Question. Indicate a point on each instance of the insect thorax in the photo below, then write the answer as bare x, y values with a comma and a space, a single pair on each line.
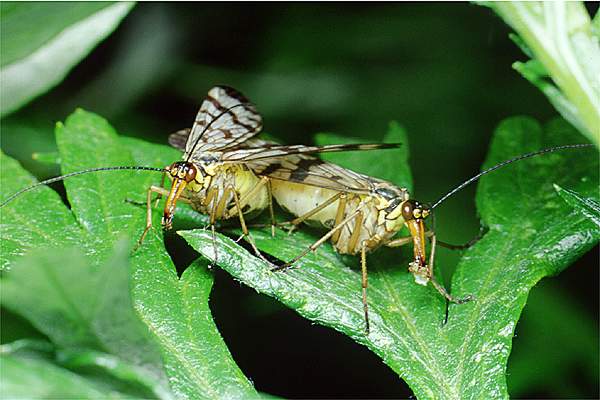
215, 191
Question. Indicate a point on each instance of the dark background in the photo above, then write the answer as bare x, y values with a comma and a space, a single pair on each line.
443, 71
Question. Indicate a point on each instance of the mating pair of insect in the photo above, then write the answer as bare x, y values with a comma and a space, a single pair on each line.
227, 173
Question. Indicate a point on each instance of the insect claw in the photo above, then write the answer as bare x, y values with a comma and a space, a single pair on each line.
283, 267
134, 202
465, 299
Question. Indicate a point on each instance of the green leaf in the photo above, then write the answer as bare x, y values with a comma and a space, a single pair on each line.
560, 36
87, 311
105, 323
532, 235
43, 41
586, 205
50, 157
104, 371
176, 311
34, 378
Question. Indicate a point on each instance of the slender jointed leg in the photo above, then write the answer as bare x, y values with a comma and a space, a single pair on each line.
212, 219
162, 185
271, 212
482, 231
339, 215
365, 284
399, 242
438, 286
322, 240
249, 196
214, 243
310, 213
405, 240
307, 215
151, 189
245, 228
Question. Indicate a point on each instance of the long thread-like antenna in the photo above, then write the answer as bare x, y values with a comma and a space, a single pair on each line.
72, 174
506, 162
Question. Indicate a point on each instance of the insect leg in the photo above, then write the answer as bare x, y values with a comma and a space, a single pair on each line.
438, 286
212, 196
246, 199
322, 240
151, 189
219, 206
352, 242
245, 231
399, 242
365, 284
405, 240
271, 212
214, 243
482, 231
307, 215
339, 215
162, 185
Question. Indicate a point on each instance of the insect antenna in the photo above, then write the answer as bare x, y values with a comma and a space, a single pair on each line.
505, 163
72, 174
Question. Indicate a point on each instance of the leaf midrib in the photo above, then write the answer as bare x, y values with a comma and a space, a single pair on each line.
416, 338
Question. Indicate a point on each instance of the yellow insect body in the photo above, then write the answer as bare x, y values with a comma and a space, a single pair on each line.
371, 227
361, 213
213, 193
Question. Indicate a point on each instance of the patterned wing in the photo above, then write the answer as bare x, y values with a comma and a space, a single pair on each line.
265, 150
179, 138
225, 120
308, 170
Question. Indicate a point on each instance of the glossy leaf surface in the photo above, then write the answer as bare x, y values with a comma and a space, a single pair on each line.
532, 234
165, 324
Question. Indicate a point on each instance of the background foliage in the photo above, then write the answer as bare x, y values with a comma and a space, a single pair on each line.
442, 71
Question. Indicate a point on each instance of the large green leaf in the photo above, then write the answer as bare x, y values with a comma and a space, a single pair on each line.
104, 323
87, 307
533, 234
41, 42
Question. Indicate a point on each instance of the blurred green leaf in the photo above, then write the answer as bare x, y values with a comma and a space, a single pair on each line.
35, 378
560, 36
41, 42
46, 157
87, 310
532, 235
586, 205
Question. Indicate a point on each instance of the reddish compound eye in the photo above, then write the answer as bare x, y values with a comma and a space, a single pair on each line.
190, 173
407, 210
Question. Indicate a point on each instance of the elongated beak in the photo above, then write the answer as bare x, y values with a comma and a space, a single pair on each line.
417, 231
418, 267
174, 194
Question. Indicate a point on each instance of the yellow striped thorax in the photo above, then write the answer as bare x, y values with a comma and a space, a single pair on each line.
209, 188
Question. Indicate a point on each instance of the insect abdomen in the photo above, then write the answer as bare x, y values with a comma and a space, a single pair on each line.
298, 199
